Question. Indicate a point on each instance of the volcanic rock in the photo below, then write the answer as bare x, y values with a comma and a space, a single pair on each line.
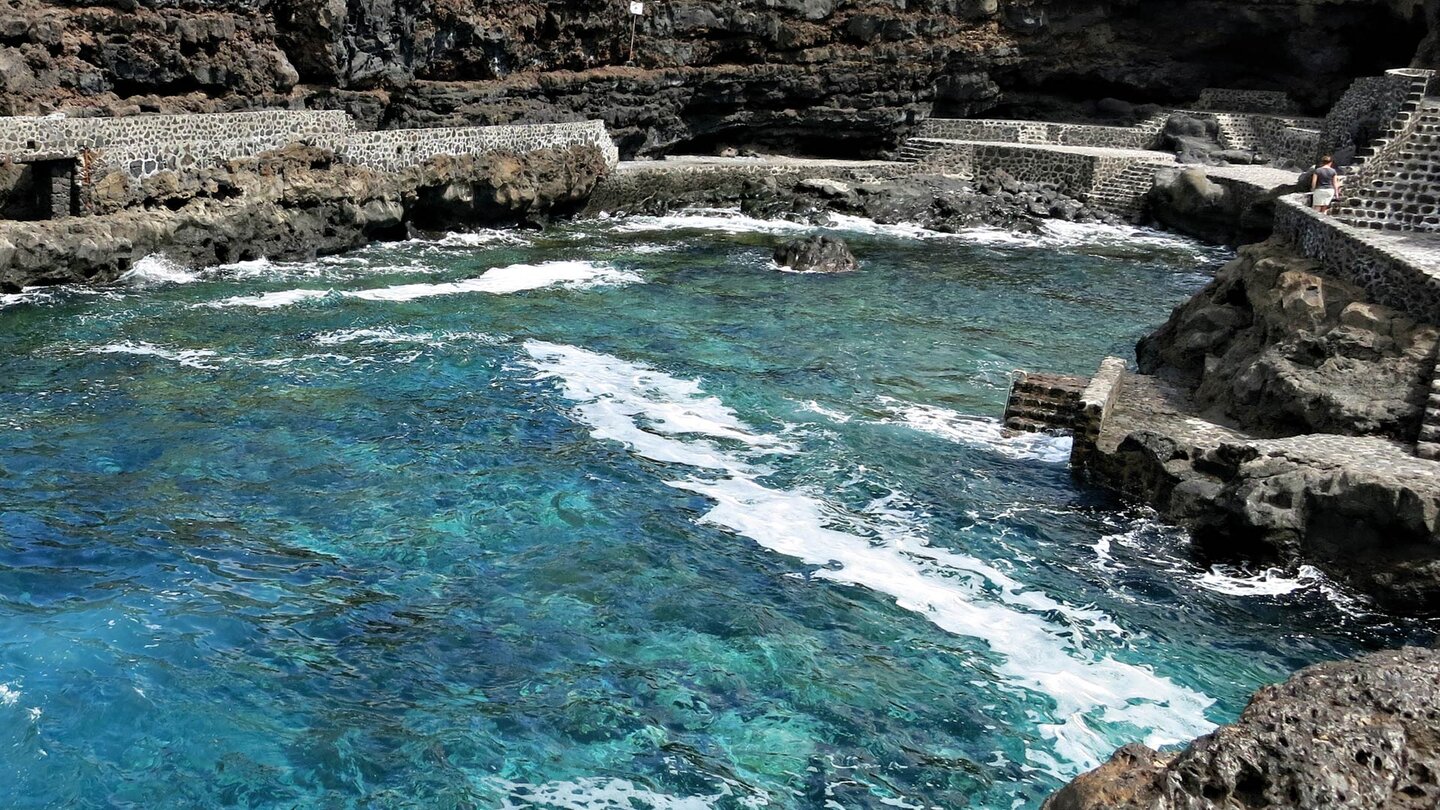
1341, 735
816, 254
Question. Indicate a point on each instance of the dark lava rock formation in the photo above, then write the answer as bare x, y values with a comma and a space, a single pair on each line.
1351, 734
816, 254
798, 76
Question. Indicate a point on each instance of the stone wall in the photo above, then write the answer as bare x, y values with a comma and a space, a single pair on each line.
647, 186
396, 149
140, 144
1288, 138
1367, 259
1224, 99
1141, 136
1364, 112
144, 145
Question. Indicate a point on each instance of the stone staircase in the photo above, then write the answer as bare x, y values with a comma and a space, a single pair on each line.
1124, 193
1400, 190
1428, 445
917, 150
1042, 402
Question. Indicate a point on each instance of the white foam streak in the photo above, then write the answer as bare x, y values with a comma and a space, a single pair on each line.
594, 793
194, 358
155, 270
670, 420
1270, 582
496, 281
271, 300
28, 295
979, 431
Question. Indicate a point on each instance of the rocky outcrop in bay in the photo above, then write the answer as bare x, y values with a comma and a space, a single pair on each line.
816, 254
1343, 735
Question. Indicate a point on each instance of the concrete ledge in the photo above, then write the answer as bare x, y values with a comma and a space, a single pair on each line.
1097, 402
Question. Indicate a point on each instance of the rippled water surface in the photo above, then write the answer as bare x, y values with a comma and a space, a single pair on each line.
613, 516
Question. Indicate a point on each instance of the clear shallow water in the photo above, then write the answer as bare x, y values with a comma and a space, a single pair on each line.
613, 516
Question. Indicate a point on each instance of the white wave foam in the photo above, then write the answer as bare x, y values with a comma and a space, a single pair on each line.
9, 695
373, 336
498, 281
155, 270
271, 300
1270, 582
512, 279
672, 421
194, 358
594, 793
979, 431
478, 238
28, 295
720, 220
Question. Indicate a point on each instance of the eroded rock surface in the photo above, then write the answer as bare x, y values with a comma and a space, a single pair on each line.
1351, 734
1280, 349
816, 254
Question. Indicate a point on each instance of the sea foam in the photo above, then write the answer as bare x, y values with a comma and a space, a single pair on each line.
497, 281
673, 422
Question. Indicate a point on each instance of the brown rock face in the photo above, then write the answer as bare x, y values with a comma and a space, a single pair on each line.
818, 76
1279, 349
1351, 734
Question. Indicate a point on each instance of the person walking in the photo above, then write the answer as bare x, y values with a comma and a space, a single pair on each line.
1323, 185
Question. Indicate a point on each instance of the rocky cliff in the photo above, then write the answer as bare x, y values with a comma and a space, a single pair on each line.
806, 76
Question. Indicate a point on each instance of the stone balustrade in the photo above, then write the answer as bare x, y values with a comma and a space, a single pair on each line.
1097, 400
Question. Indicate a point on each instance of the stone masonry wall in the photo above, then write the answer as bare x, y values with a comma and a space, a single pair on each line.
395, 149
1360, 257
1364, 111
1040, 132
640, 186
1293, 139
138, 144
1224, 99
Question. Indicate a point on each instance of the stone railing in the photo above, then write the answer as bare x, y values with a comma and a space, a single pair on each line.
1096, 403
1362, 257
396, 149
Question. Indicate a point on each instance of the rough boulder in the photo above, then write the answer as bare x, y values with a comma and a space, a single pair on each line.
1341, 735
816, 254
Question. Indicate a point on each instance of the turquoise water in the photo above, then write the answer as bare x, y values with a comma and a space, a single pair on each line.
613, 516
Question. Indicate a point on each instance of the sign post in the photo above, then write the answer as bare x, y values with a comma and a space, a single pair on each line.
637, 8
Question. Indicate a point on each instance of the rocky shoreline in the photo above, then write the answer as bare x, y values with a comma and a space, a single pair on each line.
295, 202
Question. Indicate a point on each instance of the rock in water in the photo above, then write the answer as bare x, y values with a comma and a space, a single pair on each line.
816, 254
1339, 735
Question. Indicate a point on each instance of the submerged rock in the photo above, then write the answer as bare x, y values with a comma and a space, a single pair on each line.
816, 254
1338, 735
